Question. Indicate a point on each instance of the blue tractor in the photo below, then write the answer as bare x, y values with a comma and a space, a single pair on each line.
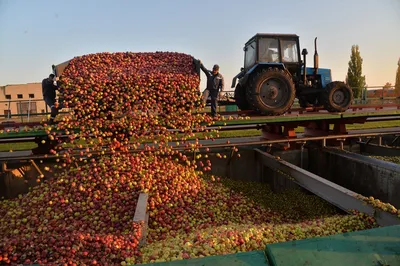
273, 76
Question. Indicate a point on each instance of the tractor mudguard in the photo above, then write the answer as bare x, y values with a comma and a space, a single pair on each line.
245, 78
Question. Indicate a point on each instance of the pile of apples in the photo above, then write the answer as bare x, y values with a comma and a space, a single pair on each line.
116, 100
85, 214
376, 203
120, 97
242, 237
82, 216
293, 215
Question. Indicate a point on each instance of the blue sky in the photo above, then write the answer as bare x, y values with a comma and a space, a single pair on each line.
36, 34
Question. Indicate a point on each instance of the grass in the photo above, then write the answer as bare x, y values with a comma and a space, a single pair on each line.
224, 134
17, 146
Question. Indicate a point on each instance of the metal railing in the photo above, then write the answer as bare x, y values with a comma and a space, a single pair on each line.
226, 95
28, 114
363, 99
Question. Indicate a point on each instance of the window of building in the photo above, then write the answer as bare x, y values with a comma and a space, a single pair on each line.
8, 96
19, 96
31, 95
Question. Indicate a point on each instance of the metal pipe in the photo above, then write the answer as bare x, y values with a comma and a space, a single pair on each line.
304, 53
20, 111
29, 108
9, 109
316, 57
36, 167
394, 141
301, 154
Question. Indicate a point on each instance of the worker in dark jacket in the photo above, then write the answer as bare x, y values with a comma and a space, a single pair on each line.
49, 95
215, 85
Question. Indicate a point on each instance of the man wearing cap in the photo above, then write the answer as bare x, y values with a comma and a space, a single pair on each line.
49, 88
215, 84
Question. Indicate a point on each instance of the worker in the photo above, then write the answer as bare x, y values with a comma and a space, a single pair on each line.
215, 87
49, 88
238, 76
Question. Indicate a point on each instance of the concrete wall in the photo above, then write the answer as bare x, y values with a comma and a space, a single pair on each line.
243, 168
295, 157
248, 168
364, 175
376, 150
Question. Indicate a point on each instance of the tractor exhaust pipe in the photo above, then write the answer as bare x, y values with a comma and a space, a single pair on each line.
316, 57
304, 53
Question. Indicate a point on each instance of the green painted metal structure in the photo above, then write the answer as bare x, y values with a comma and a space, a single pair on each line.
308, 117
265, 120
379, 246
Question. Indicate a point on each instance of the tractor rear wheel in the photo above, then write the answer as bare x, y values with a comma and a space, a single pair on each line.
271, 91
337, 97
240, 98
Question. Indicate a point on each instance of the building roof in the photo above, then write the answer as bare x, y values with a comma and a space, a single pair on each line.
21, 84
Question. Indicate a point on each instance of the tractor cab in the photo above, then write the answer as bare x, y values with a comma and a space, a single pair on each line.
282, 49
274, 74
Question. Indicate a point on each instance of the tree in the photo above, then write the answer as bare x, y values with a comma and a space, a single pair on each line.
388, 85
397, 84
355, 79
385, 89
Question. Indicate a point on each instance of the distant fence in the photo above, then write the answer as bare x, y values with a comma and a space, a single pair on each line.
26, 110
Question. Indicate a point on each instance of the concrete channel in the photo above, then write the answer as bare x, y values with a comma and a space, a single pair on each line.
334, 175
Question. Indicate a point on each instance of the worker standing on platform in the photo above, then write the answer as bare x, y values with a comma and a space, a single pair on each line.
215, 85
49, 88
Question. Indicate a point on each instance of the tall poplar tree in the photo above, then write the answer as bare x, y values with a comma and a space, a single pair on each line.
397, 84
355, 79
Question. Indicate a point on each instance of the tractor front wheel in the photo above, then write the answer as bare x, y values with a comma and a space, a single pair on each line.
337, 97
271, 91
240, 98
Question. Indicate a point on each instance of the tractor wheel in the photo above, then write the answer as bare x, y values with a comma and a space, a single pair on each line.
271, 92
337, 97
240, 98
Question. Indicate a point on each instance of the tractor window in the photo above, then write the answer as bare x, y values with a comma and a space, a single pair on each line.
250, 55
289, 51
268, 50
